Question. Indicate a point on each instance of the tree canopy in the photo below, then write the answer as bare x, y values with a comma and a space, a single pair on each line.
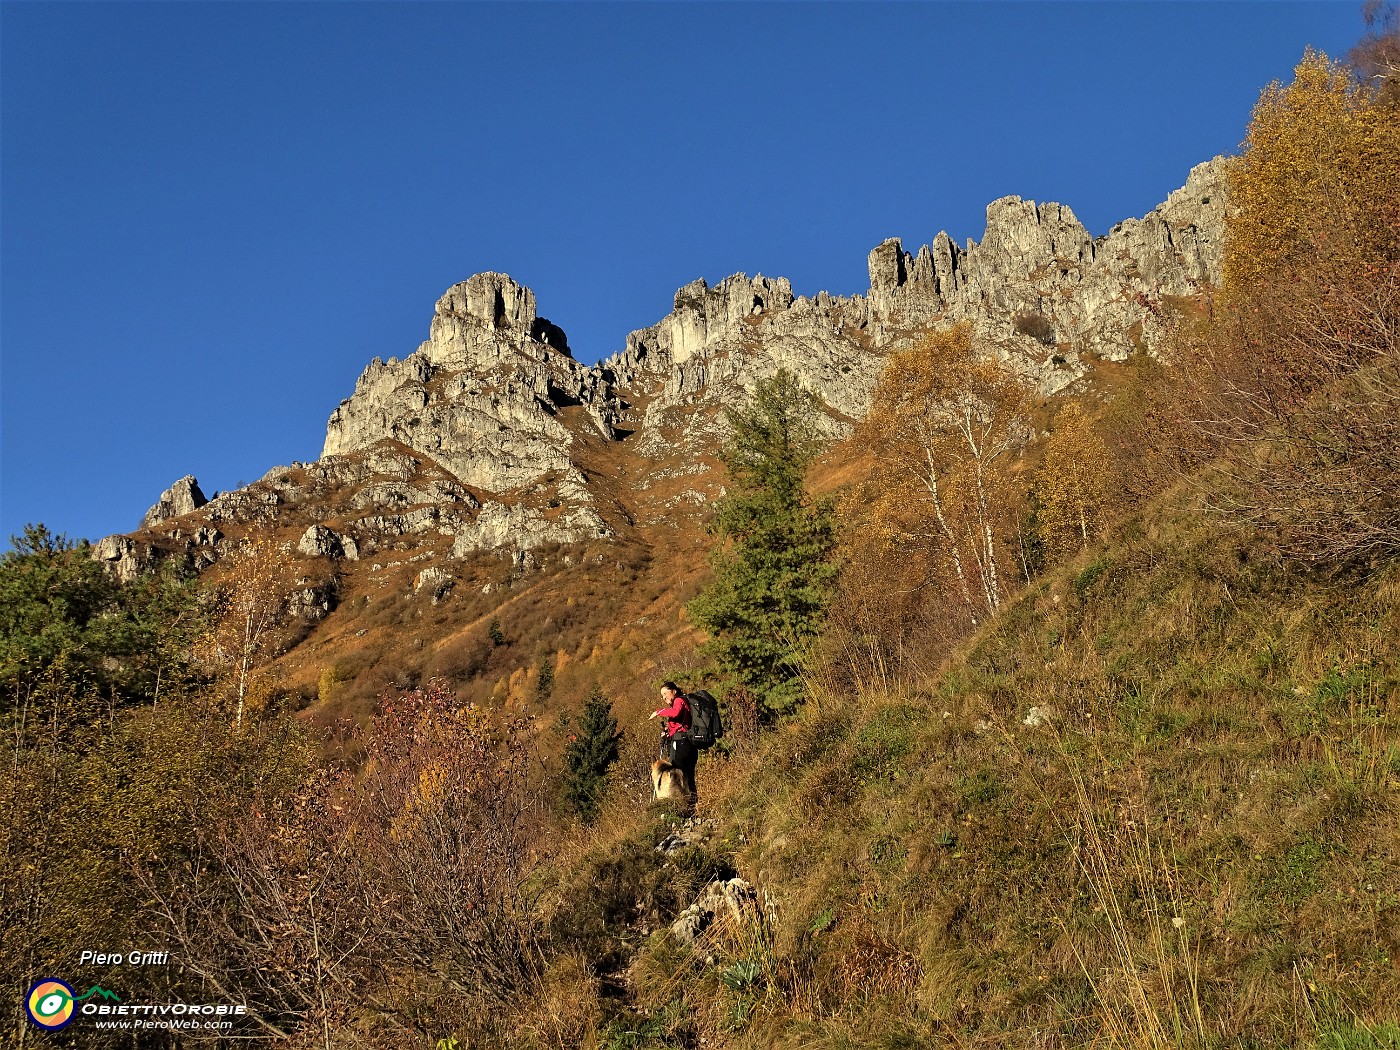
62, 613
947, 417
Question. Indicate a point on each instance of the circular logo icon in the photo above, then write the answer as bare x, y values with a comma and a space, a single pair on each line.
50, 1004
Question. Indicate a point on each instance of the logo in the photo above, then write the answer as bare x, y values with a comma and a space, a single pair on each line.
50, 1004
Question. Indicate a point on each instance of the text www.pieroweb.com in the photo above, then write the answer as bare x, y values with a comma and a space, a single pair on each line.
176, 1024
167, 1017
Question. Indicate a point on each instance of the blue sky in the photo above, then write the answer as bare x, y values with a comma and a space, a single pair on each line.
213, 215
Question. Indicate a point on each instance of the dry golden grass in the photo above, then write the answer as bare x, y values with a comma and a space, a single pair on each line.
1221, 751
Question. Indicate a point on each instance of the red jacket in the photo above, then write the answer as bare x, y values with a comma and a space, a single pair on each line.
677, 716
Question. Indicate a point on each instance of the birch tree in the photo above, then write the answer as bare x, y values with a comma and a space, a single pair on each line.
945, 424
249, 603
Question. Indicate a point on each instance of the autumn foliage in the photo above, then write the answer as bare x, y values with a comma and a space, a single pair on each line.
1293, 384
1314, 190
247, 606
357, 902
947, 421
1075, 483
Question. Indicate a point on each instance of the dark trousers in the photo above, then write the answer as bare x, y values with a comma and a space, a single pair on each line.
682, 754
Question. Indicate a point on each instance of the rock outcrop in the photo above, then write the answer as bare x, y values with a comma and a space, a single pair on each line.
489, 395
123, 556
321, 542
1038, 275
524, 528
1037, 285
733, 899
437, 582
482, 396
180, 498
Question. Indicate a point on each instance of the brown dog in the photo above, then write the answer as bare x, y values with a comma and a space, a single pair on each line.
666, 781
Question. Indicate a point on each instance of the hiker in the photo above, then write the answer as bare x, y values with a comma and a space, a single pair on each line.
676, 746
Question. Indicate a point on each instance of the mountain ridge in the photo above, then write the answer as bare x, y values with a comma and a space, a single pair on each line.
480, 436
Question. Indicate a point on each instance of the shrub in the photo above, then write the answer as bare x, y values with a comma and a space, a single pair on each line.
461, 658
1293, 385
438, 834
1037, 326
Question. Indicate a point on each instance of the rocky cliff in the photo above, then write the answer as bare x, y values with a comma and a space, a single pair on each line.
491, 435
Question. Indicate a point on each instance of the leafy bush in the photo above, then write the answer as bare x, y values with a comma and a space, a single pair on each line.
1293, 384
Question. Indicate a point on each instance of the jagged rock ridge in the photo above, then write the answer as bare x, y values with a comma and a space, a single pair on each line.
497, 417
180, 498
484, 395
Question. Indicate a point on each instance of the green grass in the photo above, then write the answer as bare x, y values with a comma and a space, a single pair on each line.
1225, 738
1200, 849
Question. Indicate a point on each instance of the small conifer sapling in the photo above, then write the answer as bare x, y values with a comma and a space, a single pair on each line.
591, 753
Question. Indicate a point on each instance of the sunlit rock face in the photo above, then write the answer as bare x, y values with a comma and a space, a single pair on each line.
487, 395
490, 432
180, 498
481, 396
1037, 275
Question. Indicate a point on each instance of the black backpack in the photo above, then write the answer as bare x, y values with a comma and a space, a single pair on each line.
705, 724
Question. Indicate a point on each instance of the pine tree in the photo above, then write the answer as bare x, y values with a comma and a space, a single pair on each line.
52, 599
591, 752
773, 568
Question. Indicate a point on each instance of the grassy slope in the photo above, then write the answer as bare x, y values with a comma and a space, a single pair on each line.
1200, 847
601, 613
1222, 750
